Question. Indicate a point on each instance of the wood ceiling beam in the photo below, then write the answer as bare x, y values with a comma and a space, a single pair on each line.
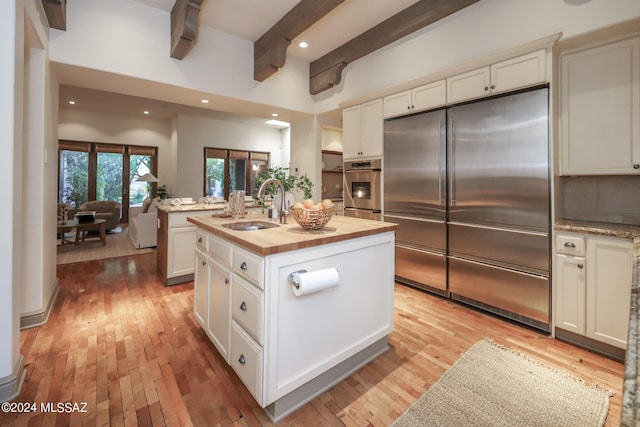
185, 16
326, 71
56, 11
269, 51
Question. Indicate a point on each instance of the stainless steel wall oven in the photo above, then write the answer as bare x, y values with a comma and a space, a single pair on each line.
362, 189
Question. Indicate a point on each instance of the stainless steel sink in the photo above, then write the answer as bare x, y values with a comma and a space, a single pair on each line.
249, 225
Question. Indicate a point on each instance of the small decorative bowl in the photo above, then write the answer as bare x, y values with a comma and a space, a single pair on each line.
312, 219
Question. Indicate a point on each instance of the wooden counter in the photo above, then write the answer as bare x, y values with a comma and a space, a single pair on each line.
290, 236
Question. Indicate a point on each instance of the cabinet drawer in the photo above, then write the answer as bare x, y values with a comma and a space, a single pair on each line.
179, 219
570, 244
248, 265
247, 307
246, 360
202, 241
220, 250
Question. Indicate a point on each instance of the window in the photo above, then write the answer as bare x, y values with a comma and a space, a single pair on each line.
226, 171
90, 171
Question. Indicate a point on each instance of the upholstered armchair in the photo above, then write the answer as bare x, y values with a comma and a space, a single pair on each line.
104, 209
143, 224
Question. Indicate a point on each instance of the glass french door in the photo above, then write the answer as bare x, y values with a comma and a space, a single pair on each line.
89, 171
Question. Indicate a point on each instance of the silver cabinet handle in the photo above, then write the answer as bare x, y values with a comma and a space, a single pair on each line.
243, 266
243, 306
569, 244
242, 360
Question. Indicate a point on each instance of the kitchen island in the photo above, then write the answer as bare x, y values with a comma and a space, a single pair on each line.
176, 238
289, 335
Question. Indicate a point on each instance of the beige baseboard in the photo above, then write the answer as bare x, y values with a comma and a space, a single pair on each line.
31, 320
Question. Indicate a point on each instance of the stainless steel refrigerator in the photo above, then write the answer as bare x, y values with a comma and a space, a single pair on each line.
472, 183
415, 197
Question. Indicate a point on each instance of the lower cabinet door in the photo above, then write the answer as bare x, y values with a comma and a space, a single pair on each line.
219, 324
570, 293
246, 360
609, 277
201, 289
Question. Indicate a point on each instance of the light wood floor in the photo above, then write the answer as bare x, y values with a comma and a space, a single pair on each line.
132, 350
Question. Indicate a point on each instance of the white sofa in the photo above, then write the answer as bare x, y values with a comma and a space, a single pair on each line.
143, 225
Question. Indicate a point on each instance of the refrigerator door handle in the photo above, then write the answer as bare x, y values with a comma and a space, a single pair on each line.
452, 188
413, 218
512, 230
442, 162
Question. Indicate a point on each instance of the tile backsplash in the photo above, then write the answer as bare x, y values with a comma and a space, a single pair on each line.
614, 199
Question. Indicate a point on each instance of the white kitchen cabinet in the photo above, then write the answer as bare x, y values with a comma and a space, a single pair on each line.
418, 99
515, 73
201, 289
570, 293
176, 245
278, 342
362, 130
609, 271
592, 282
217, 325
180, 260
600, 109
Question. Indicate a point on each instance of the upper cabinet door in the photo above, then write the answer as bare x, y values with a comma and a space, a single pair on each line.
522, 71
600, 110
421, 98
515, 73
469, 85
362, 130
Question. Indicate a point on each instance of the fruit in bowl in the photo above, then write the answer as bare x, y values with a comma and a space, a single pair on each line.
311, 215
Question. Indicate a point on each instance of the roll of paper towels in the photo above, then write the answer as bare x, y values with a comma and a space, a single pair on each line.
314, 281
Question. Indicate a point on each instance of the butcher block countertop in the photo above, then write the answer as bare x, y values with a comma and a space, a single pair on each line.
290, 236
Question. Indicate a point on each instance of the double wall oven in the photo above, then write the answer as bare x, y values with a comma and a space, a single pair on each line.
362, 189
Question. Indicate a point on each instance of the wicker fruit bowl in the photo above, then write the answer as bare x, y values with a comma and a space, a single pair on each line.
312, 219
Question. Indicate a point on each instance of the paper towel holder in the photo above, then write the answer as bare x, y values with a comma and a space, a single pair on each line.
293, 278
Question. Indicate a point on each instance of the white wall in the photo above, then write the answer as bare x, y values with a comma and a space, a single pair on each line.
485, 28
128, 38
194, 133
306, 156
11, 18
76, 124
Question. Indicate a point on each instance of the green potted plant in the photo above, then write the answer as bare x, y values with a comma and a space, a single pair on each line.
289, 182
162, 192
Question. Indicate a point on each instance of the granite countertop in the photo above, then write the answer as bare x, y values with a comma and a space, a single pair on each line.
629, 415
290, 236
194, 207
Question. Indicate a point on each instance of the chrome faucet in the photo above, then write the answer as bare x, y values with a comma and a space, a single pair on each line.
282, 212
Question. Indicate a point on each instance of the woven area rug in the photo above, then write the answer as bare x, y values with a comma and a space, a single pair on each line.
491, 385
118, 244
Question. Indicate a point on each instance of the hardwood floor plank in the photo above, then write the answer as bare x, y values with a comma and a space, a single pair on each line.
131, 349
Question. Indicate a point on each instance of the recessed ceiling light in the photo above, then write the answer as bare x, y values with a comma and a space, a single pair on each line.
72, 102
205, 101
303, 44
277, 123
146, 112
274, 114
